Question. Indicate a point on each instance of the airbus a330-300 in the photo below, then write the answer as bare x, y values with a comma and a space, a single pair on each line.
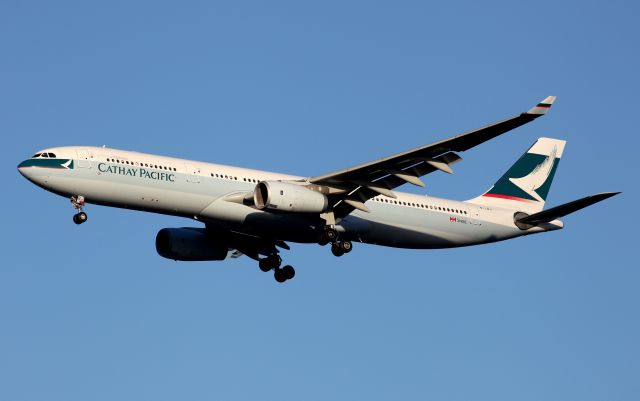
255, 213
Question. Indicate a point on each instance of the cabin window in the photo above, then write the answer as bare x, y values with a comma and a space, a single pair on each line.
51, 155
35, 156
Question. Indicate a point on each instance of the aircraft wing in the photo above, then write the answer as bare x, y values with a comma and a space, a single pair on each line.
349, 188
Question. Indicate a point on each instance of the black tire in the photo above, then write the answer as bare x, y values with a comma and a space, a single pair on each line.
336, 250
76, 220
82, 217
289, 272
279, 275
330, 234
264, 265
346, 246
270, 262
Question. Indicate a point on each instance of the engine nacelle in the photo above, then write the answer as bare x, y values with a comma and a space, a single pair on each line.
287, 197
189, 244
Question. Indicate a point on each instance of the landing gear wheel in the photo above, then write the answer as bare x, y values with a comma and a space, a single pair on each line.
336, 250
269, 263
279, 275
80, 218
284, 274
330, 234
346, 246
263, 264
289, 272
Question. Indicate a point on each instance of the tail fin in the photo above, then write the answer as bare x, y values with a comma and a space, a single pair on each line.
526, 184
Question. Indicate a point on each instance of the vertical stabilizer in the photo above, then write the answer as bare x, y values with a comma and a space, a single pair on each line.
526, 184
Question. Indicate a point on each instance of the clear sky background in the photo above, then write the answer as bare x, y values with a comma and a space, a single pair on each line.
93, 313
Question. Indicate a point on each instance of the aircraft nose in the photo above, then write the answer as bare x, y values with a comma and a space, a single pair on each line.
22, 167
25, 168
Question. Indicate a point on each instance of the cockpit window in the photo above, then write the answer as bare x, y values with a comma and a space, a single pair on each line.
41, 155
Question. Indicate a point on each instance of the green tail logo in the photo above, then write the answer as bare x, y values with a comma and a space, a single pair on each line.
529, 179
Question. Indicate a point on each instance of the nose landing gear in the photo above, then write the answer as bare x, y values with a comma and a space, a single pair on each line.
78, 202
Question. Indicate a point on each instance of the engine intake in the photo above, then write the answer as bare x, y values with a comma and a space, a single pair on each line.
189, 244
287, 197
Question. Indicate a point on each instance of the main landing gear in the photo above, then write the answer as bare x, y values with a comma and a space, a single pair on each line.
78, 203
273, 262
338, 247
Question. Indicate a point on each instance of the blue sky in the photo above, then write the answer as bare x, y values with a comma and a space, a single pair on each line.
92, 312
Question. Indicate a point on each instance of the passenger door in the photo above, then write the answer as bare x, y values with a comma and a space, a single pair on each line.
84, 158
193, 173
474, 215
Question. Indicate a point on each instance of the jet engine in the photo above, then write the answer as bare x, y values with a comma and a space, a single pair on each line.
189, 244
287, 197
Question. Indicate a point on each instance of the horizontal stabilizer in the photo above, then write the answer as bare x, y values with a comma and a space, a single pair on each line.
559, 211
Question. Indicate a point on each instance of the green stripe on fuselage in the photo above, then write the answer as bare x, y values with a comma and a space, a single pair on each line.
47, 163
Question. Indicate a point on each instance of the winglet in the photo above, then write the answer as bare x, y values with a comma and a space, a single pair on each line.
542, 107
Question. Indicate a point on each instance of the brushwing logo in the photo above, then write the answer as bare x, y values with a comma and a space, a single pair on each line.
537, 177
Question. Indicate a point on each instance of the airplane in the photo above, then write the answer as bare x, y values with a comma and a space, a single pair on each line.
255, 213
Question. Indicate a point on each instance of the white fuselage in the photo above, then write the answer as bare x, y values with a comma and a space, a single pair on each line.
204, 191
